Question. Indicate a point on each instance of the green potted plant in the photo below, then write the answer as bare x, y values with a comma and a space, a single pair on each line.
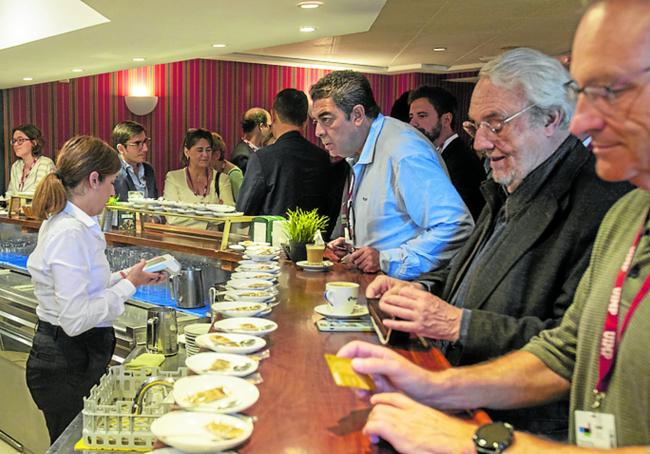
300, 228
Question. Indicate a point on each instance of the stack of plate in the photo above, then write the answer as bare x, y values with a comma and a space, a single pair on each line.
191, 333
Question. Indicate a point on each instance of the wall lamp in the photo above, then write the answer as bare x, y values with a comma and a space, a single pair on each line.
141, 105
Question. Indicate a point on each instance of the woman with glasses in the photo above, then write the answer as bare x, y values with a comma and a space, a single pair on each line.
31, 166
194, 183
78, 296
229, 176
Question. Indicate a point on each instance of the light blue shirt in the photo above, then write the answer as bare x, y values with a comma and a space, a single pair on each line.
404, 204
138, 179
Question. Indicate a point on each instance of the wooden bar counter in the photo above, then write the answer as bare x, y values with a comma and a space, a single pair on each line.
300, 409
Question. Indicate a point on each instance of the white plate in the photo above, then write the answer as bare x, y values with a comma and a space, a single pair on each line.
251, 266
245, 343
240, 394
220, 208
250, 284
257, 296
323, 266
253, 275
239, 308
238, 365
261, 257
196, 329
188, 431
249, 243
260, 326
237, 247
328, 311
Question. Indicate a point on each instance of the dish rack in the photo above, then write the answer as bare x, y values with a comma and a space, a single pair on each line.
107, 418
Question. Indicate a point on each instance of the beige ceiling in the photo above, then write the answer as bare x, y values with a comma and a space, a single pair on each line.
385, 36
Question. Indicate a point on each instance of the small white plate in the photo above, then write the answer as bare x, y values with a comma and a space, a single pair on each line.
249, 243
220, 208
246, 325
236, 365
188, 431
323, 266
250, 284
240, 394
328, 311
237, 247
239, 308
253, 275
256, 296
241, 343
251, 266
196, 329
262, 257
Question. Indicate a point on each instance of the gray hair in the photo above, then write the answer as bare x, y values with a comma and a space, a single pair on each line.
347, 89
541, 78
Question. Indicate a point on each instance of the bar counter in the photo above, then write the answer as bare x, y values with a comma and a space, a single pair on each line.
300, 409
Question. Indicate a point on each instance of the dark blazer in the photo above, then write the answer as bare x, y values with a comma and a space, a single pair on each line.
526, 285
466, 173
292, 172
240, 155
124, 183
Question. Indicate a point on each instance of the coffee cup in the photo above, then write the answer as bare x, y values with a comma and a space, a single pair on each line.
315, 253
342, 296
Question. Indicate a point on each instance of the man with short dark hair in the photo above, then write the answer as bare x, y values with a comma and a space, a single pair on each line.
401, 210
432, 110
256, 126
292, 172
131, 142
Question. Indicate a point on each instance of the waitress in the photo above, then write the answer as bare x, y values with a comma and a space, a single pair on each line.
78, 297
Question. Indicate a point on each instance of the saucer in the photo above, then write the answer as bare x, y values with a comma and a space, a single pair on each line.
323, 266
328, 311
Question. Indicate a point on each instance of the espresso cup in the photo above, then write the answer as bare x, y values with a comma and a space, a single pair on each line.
342, 296
315, 253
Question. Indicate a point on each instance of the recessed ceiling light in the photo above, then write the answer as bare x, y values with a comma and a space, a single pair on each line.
218, 45
77, 70
307, 29
439, 49
309, 5
27, 79
138, 58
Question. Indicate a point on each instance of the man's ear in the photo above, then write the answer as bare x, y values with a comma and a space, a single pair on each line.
552, 121
120, 148
447, 118
358, 114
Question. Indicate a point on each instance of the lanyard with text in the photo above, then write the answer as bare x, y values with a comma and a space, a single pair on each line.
347, 218
611, 337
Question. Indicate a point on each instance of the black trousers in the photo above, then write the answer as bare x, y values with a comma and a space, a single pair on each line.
62, 369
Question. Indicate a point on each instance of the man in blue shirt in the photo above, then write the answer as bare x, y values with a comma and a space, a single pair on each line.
131, 142
401, 212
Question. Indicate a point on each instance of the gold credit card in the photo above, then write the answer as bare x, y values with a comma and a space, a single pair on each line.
344, 375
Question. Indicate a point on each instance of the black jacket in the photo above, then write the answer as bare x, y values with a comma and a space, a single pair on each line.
466, 173
124, 183
291, 173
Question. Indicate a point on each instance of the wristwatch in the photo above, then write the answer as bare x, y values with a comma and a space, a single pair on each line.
493, 437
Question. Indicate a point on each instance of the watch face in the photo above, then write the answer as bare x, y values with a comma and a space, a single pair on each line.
494, 437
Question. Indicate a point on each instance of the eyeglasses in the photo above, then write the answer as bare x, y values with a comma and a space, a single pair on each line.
603, 96
140, 143
19, 141
494, 126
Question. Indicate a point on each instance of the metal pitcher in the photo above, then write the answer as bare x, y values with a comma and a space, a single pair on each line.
187, 288
162, 331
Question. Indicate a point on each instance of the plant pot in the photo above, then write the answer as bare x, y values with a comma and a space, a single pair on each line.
297, 251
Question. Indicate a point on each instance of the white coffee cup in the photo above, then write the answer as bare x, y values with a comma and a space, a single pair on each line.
342, 296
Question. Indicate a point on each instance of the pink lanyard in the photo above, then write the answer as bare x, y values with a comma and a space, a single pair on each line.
611, 336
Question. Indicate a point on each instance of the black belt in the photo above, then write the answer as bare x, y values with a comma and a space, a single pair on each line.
56, 331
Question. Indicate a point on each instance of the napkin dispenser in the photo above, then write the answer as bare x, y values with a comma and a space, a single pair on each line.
262, 228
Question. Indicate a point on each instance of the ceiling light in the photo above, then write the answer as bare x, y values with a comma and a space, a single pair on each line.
439, 49
138, 58
218, 45
27, 79
77, 70
309, 5
307, 29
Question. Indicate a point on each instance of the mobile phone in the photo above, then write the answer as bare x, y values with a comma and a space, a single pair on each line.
361, 325
386, 335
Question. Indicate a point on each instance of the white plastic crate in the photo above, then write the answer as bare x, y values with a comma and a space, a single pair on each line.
107, 419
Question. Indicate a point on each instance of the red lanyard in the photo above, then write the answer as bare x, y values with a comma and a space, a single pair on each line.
24, 176
611, 337
205, 188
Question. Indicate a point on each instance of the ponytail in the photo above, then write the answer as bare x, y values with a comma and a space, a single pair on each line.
50, 197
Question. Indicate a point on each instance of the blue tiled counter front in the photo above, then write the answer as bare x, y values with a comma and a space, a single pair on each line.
151, 294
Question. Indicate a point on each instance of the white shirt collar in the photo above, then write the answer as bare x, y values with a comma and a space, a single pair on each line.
448, 141
80, 215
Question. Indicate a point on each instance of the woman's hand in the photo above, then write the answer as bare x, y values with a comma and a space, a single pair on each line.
138, 276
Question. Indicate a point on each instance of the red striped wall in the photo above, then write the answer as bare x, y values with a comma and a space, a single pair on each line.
195, 93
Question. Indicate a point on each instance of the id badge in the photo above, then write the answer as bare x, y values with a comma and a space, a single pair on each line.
595, 430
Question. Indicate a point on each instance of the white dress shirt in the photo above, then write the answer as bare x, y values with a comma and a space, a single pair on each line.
72, 279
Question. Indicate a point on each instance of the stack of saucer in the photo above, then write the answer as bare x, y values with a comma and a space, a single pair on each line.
191, 333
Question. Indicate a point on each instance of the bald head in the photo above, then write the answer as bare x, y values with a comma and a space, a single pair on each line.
254, 117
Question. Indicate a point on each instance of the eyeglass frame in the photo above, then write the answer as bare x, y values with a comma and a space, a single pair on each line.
494, 129
139, 143
607, 92
19, 141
